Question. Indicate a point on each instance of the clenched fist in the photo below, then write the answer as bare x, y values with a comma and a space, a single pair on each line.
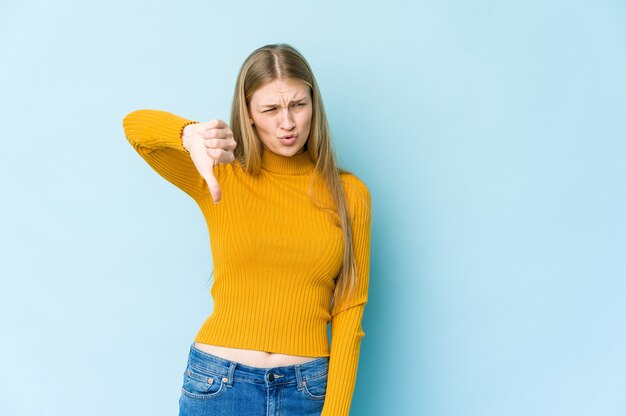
209, 144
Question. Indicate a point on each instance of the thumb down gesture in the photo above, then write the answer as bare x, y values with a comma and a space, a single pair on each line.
208, 144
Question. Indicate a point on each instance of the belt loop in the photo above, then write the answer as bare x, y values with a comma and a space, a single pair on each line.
231, 373
298, 376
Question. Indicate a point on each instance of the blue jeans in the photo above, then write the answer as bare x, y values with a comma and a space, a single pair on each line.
214, 386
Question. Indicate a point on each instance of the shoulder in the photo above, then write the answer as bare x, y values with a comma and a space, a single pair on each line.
354, 186
357, 195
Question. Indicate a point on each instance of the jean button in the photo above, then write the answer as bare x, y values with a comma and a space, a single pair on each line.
271, 376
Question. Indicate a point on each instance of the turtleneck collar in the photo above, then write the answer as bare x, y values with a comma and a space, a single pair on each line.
299, 164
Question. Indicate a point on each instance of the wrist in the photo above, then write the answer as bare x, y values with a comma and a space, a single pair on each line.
187, 136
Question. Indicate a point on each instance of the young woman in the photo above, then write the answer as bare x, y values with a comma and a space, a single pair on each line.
290, 238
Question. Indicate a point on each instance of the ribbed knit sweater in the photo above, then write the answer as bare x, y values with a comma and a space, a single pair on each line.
275, 253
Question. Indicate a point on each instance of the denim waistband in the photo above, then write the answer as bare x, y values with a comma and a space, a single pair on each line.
274, 375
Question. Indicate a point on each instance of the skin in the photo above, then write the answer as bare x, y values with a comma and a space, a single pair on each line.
275, 111
280, 108
208, 144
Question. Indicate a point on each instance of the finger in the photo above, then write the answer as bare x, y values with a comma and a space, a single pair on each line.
215, 123
213, 143
205, 168
210, 124
230, 144
216, 133
214, 186
212, 133
225, 143
216, 153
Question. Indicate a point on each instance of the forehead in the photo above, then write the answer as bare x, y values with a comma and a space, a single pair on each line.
280, 91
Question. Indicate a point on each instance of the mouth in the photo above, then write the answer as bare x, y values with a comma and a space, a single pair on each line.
288, 140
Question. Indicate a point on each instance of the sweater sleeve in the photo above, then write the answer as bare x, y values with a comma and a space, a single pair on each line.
346, 323
157, 136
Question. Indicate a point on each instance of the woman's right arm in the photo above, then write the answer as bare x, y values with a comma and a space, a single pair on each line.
157, 136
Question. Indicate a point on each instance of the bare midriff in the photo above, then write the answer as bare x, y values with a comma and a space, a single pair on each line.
254, 358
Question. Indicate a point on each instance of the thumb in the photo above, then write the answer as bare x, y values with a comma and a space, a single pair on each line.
214, 186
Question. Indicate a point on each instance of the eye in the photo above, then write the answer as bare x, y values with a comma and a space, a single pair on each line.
299, 105
267, 111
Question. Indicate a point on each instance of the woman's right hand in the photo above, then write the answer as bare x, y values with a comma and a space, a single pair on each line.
209, 144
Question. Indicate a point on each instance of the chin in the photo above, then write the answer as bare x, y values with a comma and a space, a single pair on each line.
289, 151
302, 148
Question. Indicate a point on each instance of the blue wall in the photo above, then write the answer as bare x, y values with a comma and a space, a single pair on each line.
491, 136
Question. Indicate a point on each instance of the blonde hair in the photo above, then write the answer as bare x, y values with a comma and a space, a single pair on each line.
282, 61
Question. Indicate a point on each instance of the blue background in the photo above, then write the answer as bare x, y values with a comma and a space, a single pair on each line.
491, 136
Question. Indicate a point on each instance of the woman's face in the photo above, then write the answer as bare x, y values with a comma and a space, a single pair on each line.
281, 112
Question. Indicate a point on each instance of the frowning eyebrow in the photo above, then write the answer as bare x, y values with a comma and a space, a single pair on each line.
290, 102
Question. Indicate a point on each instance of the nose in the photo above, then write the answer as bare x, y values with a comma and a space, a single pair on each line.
286, 119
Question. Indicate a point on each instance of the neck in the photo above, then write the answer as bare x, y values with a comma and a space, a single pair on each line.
300, 164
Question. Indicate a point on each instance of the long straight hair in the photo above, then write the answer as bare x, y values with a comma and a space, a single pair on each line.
282, 61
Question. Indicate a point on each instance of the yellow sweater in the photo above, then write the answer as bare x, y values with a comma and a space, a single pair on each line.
275, 254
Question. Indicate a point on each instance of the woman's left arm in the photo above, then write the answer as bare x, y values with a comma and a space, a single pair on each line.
346, 328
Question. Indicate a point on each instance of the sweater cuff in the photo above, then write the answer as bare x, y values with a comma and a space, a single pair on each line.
156, 129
